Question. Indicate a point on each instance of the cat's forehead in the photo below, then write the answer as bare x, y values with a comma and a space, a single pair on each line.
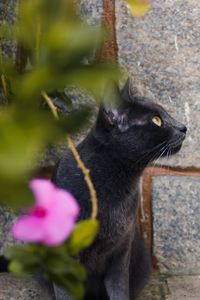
145, 106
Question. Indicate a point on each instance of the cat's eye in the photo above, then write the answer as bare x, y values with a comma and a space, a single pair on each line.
157, 121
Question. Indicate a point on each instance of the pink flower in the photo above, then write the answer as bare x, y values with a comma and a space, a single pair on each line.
52, 218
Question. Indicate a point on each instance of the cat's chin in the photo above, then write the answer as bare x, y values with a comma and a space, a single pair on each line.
176, 149
173, 150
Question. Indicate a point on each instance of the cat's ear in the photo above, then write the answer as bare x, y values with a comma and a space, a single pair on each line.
126, 92
113, 107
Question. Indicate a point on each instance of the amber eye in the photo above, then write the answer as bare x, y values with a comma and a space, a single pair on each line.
157, 121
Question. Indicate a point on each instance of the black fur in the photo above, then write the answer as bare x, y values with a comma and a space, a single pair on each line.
122, 143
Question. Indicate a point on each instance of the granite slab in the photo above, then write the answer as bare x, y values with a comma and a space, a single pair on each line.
176, 226
18, 288
7, 218
183, 287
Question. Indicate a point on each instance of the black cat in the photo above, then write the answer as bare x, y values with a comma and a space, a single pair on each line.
129, 134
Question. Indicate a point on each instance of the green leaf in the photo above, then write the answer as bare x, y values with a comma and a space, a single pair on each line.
74, 287
25, 259
6, 31
71, 276
82, 236
21, 138
15, 267
72, 122
64, 270
139, 7
15, 193
93, 78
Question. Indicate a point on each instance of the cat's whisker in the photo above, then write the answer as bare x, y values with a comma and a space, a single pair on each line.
148, 152
168, 155
163, 147
163, 151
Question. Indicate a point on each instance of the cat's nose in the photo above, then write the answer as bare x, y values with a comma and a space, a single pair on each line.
183, 129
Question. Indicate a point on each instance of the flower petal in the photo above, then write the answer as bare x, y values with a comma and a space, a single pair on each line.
55, 225
28, 229
57, 232
61, 218
44, 191
65, 203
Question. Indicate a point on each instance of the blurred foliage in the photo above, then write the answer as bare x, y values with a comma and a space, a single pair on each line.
139, 7
57, 263
54, 42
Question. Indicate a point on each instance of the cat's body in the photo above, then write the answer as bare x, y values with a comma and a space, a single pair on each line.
117, 217
116, 151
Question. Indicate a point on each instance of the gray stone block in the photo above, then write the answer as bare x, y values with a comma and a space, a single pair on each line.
176, 226
153, 289
92, 10
171, 288
7, 16
161, 52
7, 218
183, 287
17, 288
7, 11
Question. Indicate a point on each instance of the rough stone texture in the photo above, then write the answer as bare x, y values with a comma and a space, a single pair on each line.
6, 219
17, 288
7, 11
92, 10
176, 210
171, 288
183, 287
153, 290
7, 16
161, 52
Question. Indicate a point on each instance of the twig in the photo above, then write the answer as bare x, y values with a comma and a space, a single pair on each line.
86, 173
80, 164
51, 105
4, 84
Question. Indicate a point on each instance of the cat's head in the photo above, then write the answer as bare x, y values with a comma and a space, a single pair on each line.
138, 129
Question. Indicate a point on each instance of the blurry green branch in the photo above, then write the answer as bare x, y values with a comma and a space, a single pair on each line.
4, 85
86, 173
53, 45
52, 107
55, 42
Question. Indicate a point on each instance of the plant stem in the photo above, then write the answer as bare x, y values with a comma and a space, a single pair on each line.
51, 105
80, 163
86, 173
4, 84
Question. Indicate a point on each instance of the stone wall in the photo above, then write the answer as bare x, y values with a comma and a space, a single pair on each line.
161, 52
